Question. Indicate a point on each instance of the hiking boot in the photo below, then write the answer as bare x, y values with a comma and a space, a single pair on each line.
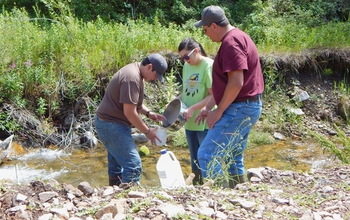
116, 181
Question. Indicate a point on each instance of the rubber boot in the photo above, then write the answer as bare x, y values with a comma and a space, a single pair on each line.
116, 181
198, 179
236, 179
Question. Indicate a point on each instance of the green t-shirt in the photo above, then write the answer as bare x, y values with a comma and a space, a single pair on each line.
196, 82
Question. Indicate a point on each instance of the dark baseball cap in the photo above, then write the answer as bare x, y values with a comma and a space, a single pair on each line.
212, 14
159, 65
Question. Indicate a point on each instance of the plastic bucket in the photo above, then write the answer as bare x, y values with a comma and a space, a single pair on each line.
161, 133
174, 115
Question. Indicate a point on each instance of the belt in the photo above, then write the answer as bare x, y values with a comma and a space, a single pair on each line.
248, 99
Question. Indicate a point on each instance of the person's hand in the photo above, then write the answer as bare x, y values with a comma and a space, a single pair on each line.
152, 136
188, 113
156, 117
202, 115
213, 117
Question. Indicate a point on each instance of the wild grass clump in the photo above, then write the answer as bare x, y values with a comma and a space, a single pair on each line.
259, 138
339, 146
178, 138
292, 37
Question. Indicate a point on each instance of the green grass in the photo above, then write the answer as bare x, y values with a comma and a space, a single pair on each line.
292, 37
258, 138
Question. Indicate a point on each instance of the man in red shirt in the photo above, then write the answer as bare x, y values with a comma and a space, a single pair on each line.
237, 87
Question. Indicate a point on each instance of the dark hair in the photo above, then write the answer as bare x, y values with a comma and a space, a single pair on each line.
145, 61
190, 44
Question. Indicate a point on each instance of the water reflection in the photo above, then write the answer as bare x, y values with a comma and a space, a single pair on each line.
289, 155
90, 165
80, 165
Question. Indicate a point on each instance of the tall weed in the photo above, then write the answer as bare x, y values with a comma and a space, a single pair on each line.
339, 146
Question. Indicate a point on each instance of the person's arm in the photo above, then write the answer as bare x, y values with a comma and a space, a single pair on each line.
204, 112
210, 104
151, 115
179, 97
145, 110
233, 87
198, 106
203, 102
130, 111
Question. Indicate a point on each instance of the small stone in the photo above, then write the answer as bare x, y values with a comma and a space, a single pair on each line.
20, 197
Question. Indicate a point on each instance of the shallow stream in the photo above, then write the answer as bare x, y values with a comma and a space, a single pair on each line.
77, 165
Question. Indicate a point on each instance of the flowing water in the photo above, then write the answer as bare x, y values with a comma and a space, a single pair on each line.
77, 165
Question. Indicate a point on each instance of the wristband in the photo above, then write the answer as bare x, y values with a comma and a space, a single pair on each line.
147, 114
149, 129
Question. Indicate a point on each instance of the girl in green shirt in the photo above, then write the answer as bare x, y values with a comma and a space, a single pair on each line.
196, 91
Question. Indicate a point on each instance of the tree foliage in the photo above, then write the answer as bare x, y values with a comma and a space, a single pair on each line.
179, 11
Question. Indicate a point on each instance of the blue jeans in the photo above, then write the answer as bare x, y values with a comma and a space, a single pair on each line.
123, 157
223, 147
194, 140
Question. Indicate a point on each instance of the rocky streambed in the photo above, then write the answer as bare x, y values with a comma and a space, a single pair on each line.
269, 194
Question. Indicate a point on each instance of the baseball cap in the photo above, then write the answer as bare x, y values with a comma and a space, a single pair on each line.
211, 14
159, 65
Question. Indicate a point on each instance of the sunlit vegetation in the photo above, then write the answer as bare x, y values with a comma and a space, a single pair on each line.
56, 53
